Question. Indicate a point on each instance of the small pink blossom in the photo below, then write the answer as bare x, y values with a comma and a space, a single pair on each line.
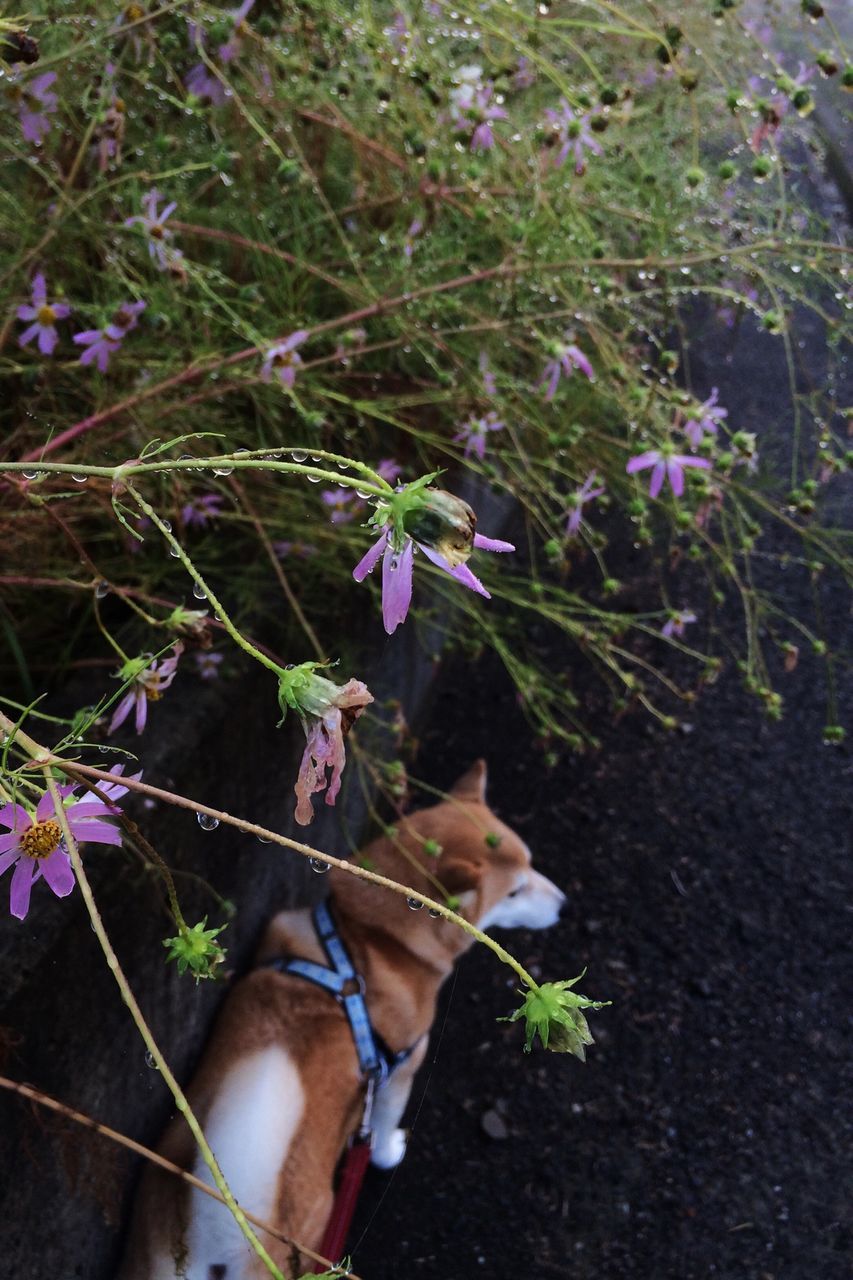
149, 682
283, 359
567, 358
199, 80
35, 104
344, 503
301, 550
412, 234
207, 665
471, 111
676, 623
33, 842
706, 418
573, 134
201, 510
665, 464
154, 225
578, 500
44, 315
100, 344
474, 433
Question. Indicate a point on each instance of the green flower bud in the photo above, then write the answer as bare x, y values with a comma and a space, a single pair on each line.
196, 950
554, 1013
443, 522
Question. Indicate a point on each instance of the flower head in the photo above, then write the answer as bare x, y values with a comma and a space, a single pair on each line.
474, 433
154, 225
202, 509
441, 525
199, 80
677, 621
301, 550
207, 665
573, 134
33, 841
471, 111
283, 359
196, 949
100, 344
44, 316
415, 229
149, 680
35, 103
665, 463
706, 418
554, 1013
490, 386
566, 358
327, 711
579, 498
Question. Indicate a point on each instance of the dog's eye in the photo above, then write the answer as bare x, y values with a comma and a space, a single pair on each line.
515, 892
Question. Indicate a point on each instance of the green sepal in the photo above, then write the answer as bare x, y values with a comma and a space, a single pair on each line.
553, 1012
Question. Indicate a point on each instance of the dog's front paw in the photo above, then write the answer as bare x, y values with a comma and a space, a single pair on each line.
389, 1151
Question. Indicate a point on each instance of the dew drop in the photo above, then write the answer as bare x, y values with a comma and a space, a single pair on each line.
223, 471
167, 525
174, 552
298, 455
207, 822
79, 479
414, 904
318, 865
264, 840
101, 589
433, 914
149, 1060
199, 591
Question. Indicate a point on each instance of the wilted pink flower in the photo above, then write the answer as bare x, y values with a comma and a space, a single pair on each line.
676, 623
100, 344
202, 509
474, 433
573, 134
567, 358
44, 315
109, 131
707, 417
33, 843
579, 498
666, 464
449, 526
35, 103
327, 712
150, 680
158, 233
283, 358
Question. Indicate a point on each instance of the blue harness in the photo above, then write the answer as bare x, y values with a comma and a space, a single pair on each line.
375, 1059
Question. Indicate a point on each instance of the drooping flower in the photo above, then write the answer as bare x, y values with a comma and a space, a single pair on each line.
35, 103
566, 358
706, 418
149, 680
199, 80
579, 498
100, 344
490, 386
441, 525
283, 359
202, 509
33, 842
154, 225
44, 315
573, 133
677, 621
665, 463
328, 712
474, 433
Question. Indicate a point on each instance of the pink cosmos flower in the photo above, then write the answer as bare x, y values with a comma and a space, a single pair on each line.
33, 843
328, 713
44, 315
471, 111
578, 499
100, 344
677, 622
201, 510
35, 104
150, 680
664, 464
155, 227
397, 568
567, 358
573, 134
283, 359
706, 418
475, 433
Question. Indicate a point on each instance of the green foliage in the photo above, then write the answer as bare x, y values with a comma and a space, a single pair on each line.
554, 1013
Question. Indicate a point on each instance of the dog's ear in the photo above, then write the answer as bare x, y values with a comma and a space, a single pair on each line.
472, 785
460, 875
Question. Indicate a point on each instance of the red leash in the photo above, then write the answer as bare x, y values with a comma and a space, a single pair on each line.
353, 1170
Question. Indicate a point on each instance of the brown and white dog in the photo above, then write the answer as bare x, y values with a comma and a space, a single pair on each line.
279, 1092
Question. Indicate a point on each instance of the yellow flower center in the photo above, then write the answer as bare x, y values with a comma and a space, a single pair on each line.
283, 359
134, 12
46, 315
40, 840
156, 231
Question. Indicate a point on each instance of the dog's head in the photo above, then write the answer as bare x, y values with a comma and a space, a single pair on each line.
461, 850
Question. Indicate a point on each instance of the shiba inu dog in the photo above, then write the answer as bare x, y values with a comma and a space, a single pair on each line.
281, 1087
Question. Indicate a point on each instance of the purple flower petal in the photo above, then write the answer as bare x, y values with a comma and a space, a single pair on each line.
369, 561
48, 338
15, 817
141, 709
99, 832
29, 334
482, 543
122, 711
676, 476
396, 585
657, 478
58, 873
22, 883
642, 461
464, 575
39, 289
11, 853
